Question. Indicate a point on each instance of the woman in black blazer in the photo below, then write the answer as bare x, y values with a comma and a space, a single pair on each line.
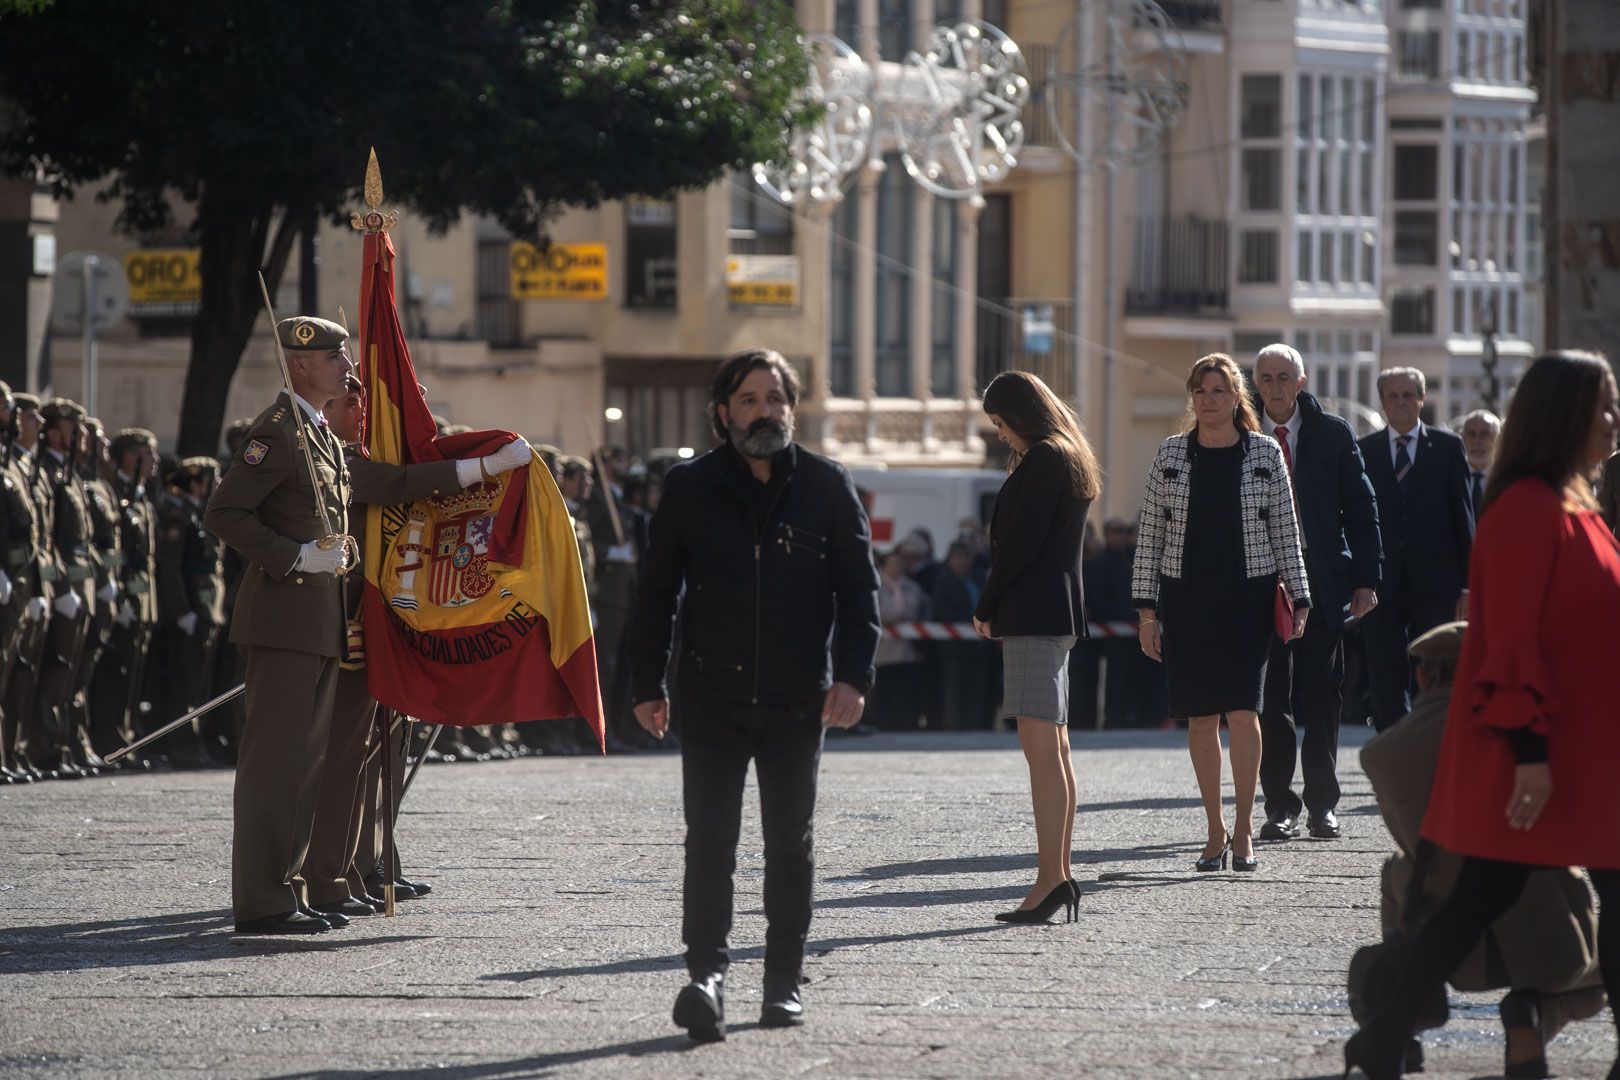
1033, 601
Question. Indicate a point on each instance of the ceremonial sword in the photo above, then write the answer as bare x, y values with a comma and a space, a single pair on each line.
205, 707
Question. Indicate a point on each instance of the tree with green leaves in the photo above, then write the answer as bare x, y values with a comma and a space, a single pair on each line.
259, 115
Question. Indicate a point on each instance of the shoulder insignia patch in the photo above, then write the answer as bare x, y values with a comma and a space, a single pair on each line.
254, 451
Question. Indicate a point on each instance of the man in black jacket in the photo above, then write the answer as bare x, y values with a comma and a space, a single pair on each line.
779, 631
1338, 528
1420, 474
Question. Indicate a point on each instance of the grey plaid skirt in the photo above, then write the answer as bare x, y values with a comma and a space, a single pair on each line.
1035, 677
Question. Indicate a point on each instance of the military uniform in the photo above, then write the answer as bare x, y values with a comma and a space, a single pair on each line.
107, 547
42, 576
120, 676
352, 777
190, 603
290, 624
19, 557
69, 627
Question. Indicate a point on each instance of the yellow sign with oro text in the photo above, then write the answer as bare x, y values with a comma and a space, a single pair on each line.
765, 280
164, 280
561, 272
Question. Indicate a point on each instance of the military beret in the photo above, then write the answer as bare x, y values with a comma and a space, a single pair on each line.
198, 465
61, 409
1443, 644
26, 401
242, 427
94, 424
351, 385
305, 333
133, 438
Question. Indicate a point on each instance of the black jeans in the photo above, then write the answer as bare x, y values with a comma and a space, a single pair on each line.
1302, 689
1485, 890
718, 741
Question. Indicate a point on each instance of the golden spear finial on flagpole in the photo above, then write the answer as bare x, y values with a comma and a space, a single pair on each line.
374, 220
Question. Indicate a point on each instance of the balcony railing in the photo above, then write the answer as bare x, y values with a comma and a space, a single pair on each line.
1193, 14
1037, 118
1179, 267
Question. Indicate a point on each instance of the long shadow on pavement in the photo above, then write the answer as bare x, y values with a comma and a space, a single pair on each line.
159, 939
675, 961
1014, 861
535, 1065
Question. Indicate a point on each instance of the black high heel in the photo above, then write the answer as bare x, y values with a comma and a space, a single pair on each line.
1066, 895
1248, 865
1217, 861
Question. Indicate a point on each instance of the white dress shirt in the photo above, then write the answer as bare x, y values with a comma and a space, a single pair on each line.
1411, 445
1292, 424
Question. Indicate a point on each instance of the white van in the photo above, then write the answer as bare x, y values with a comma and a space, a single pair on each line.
900, 500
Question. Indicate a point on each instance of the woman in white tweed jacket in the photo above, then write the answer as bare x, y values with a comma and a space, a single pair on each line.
1218, 531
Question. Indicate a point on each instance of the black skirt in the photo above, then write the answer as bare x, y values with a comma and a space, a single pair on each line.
1216, 638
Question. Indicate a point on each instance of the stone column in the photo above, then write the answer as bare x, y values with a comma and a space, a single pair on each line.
921, 353
967, 321
865, 256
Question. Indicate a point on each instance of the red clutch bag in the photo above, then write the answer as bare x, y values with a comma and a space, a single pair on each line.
1282, 613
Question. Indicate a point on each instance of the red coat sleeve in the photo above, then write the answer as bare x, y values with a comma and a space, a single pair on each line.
1513, 563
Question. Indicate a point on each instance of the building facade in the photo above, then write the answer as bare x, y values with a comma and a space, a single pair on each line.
1349, 176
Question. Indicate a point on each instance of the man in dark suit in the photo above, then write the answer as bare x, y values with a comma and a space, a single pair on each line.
1421, 477
1338, 528
1479, 431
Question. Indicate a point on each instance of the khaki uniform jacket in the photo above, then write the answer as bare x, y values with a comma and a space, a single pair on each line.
137, 541
1547, 941
264, 507
71, 530
104, 533
38, 480
377, 484
23, 537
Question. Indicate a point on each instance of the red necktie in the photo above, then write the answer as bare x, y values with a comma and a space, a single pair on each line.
1282, 440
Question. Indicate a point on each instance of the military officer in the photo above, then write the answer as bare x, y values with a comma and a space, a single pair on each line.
107, 547
75, 600
19, 579
120, 677
289, 622
44, 575
340, 855
190, 606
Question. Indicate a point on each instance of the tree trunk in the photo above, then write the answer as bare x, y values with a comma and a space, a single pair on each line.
233, 241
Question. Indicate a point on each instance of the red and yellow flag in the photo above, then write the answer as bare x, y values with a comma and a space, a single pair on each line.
475, 607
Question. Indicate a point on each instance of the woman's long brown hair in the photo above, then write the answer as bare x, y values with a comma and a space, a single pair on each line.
1028, 408
1245, 418
1549, 424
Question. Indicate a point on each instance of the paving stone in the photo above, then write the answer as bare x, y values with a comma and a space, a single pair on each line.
550, 946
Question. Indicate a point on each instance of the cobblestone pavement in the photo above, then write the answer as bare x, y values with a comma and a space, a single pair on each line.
550, 946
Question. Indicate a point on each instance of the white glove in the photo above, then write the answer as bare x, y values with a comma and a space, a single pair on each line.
106, 594
5, 588
187, 623
511, 456
315, 559
126, 614
68, 605
36, 609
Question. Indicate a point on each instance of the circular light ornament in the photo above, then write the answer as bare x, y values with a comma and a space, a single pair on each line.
1138, 77
823, 155
957, 111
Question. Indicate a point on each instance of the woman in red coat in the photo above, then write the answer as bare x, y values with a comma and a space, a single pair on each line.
1526, 775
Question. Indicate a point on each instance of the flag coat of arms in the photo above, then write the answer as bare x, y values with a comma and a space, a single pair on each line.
474, 607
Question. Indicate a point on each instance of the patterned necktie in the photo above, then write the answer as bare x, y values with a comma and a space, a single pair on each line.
1403, 459
1282, 440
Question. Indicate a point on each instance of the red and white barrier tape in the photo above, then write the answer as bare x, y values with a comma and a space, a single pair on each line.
938, 631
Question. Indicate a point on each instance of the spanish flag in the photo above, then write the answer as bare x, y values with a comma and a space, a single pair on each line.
475, 609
